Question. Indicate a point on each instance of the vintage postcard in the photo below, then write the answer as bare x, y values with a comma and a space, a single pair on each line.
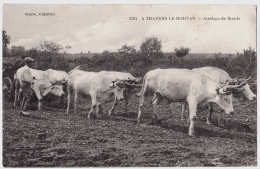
94, 85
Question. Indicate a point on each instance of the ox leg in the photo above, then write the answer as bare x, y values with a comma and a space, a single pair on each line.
39, 97
91, 110
40, 104
22, 106
16, 85
193, 109
155, 101
183, 107
93, 105
15, 97
98, 109
210, 113
75, 101
113, 107
69, 101
141, 105
20, 95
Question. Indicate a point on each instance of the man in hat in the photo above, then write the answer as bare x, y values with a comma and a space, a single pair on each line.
20, 79
29, 62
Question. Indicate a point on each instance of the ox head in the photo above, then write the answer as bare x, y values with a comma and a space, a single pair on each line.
119, 86
46, 87
224, 97
64, 83
53, 89
245, 89
132, 83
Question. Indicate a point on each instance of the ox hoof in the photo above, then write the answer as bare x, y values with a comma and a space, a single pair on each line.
208, 122
191, 133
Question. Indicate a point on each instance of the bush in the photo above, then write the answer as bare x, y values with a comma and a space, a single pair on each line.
138, 63
181, 52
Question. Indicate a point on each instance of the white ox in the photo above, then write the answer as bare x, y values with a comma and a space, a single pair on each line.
59, 77
79, 82
221, 77
183, 85
115, 76
99, 86
39, 82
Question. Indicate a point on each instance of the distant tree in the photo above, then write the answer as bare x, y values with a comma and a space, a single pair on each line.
6, 39
49, 46
182, 52
106, 52
17, 51
67, 48
151, 45
33, 53
250, 60
125, 49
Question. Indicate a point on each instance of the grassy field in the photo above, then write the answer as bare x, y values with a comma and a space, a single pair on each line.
49, 138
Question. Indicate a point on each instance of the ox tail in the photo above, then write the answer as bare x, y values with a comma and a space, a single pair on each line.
76, 68
143, 87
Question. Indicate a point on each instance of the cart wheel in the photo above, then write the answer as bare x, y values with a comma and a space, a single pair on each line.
7, 88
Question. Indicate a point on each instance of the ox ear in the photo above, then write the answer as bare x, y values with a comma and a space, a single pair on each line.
217, 98
120, 84
225, 91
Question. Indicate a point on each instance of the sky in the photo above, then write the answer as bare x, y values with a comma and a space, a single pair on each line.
96, 28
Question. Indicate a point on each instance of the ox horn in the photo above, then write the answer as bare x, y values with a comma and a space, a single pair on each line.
235, 86
133, 85
64, 81
248, 78
240, 79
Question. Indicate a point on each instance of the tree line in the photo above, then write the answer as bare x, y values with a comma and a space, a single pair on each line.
49, 54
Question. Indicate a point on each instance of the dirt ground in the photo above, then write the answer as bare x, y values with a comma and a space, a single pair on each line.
49, 138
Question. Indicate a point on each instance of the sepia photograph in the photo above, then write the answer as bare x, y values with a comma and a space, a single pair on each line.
129, 85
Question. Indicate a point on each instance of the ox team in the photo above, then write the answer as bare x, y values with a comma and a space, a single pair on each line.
201, 85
